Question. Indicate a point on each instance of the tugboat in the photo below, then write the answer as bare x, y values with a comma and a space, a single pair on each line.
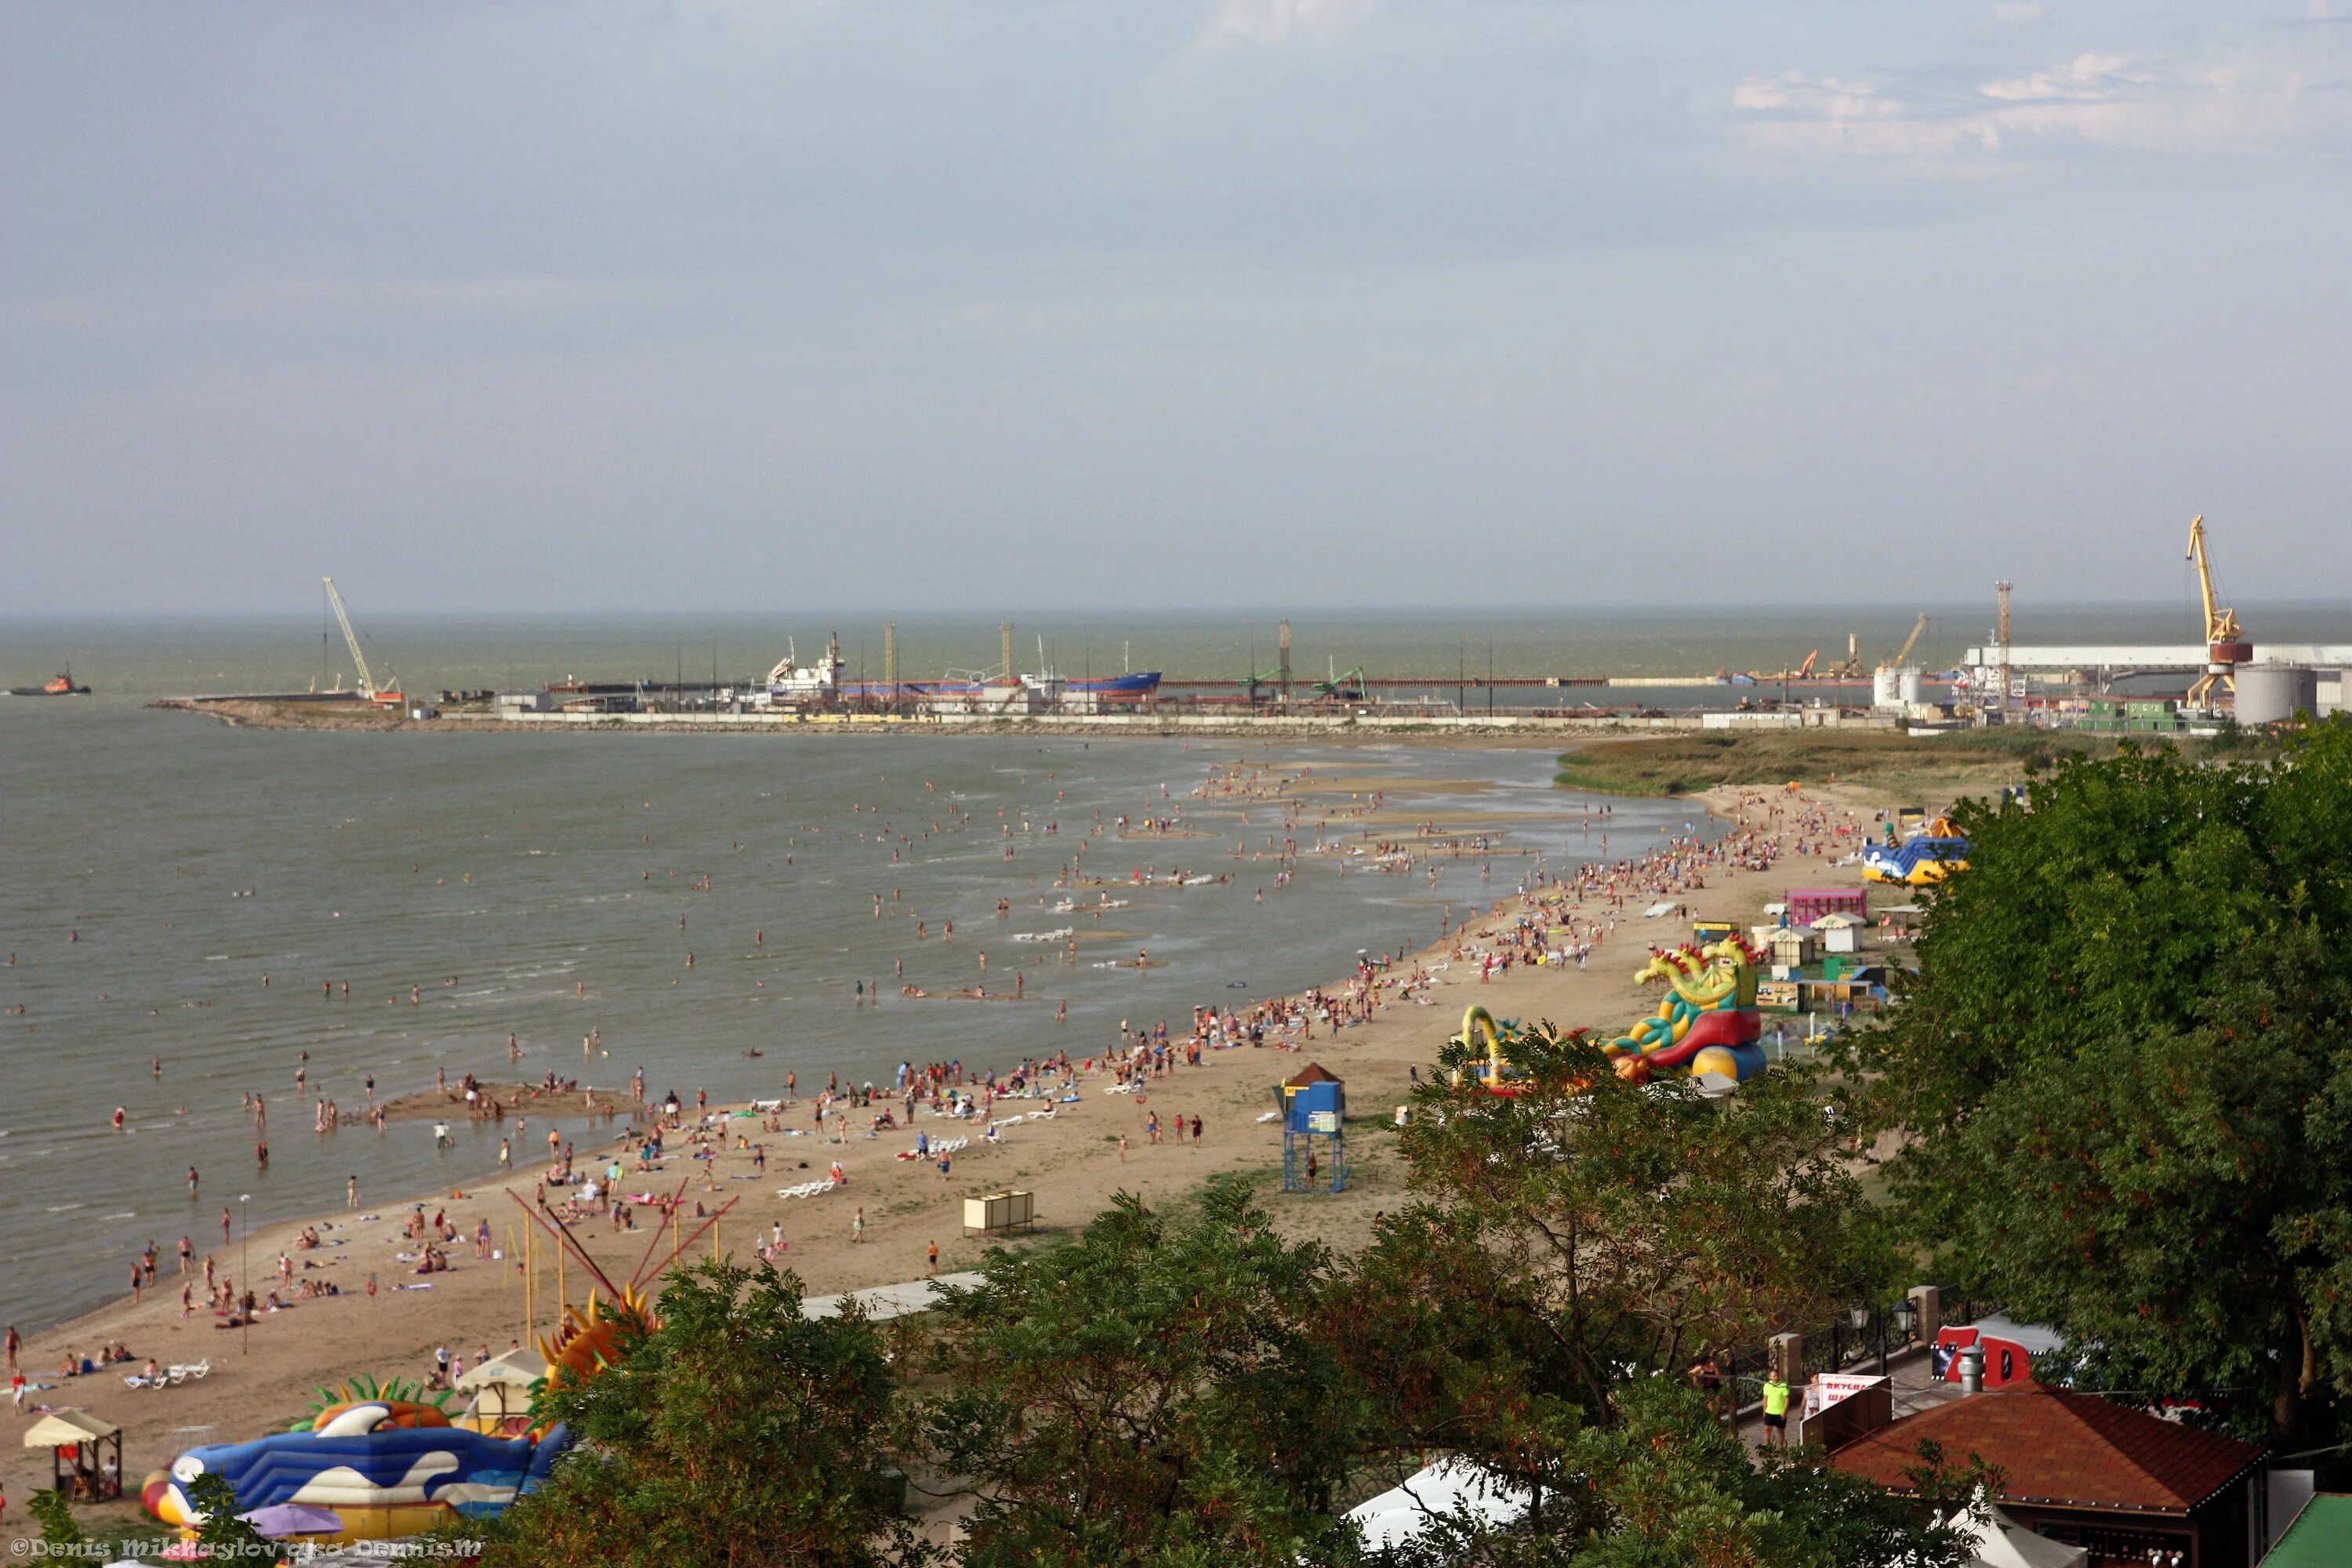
56, 686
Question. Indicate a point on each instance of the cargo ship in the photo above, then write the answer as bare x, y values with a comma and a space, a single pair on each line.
55, 686
1132, 687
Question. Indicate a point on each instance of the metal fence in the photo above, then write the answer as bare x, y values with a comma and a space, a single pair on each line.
1844, 1344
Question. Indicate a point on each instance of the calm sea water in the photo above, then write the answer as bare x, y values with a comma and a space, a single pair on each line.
159, 866
191, 860
151, 659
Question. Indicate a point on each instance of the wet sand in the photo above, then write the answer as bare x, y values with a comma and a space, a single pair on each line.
527, 1099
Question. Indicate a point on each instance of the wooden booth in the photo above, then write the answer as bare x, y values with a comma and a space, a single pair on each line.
85, 1454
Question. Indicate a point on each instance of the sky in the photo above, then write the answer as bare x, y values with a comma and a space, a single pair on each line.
932, 306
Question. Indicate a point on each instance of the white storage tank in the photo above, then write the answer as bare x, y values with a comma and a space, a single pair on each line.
2270, 692
1907, 687
1887, 689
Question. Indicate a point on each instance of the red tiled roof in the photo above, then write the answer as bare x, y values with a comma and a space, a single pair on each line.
2053, 1447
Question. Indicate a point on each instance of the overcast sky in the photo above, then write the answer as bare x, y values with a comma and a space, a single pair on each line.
917, 305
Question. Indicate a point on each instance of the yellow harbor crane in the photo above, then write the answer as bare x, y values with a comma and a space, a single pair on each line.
2225, 641
1903, 654
386, 695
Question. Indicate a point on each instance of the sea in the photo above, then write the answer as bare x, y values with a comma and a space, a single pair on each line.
182, 903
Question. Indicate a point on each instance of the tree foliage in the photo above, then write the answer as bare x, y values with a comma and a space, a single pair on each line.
55, 1515
2123, 1071
1606, 1231
1151, 1392
738, 1433
1665, 1485
222, 1532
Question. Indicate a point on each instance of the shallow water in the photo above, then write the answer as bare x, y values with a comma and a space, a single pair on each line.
159, 866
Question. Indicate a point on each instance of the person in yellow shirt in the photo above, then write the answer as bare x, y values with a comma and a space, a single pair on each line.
1776, 1409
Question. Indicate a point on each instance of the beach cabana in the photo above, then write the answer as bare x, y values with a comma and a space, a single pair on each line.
1792, 947
501, 1389
85, 1453
1837, 932
1807, 905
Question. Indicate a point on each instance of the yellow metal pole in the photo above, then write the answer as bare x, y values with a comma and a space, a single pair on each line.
714, 1238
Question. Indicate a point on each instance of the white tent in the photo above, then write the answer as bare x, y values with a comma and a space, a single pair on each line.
1404, 1513
2002, 1542
502, 1386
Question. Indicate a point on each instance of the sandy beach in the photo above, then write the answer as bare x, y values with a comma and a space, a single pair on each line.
261, 1377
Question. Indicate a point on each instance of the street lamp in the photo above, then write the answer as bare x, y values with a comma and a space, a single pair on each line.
245, 1266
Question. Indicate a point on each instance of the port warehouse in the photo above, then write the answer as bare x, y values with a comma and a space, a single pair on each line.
2266, 693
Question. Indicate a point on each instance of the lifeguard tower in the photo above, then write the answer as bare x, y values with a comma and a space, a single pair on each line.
1313, 1107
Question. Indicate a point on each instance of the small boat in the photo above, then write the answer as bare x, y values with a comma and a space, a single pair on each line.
55, 686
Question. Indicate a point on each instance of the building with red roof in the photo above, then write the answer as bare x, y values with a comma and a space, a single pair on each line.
2126, 1485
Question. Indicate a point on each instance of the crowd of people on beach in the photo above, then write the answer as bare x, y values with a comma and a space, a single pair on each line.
1549, 919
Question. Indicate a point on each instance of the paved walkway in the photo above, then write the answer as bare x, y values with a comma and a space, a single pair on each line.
1910, 1376
886, 1301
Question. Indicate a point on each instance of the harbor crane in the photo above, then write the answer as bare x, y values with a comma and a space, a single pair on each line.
1903, 654
2225, 641
387, 695
1340, 688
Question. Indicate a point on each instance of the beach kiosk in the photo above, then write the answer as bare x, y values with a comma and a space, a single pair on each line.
1839, 932
502, 1387
1314, 1109
85, 1453
1807, 905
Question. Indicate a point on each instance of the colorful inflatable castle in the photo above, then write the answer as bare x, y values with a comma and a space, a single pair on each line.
1706, 1025
1926, 858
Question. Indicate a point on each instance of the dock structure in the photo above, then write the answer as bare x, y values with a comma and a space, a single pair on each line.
2113, 661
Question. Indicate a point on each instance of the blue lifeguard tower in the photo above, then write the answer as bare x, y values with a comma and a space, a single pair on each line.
1314, 1109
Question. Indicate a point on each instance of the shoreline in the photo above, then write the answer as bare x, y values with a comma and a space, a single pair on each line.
352, 717
1072, 1163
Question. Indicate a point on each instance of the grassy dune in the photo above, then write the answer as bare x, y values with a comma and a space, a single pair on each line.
1927, 764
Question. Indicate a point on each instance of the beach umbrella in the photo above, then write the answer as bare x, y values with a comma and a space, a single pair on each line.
280, 1519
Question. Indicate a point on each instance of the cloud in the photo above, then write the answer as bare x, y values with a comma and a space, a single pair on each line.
2013, 16
1796, 113
2223, 100
1272, 22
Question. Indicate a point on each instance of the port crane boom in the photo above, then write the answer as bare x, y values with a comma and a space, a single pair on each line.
2220, 624
369, 689
2225, 638
1903, 654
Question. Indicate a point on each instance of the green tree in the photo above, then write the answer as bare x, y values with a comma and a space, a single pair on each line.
222, 1533
2124, 1078
1665, 1485
737, 1432
1149, 1392
55, 1514
1598, 1231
